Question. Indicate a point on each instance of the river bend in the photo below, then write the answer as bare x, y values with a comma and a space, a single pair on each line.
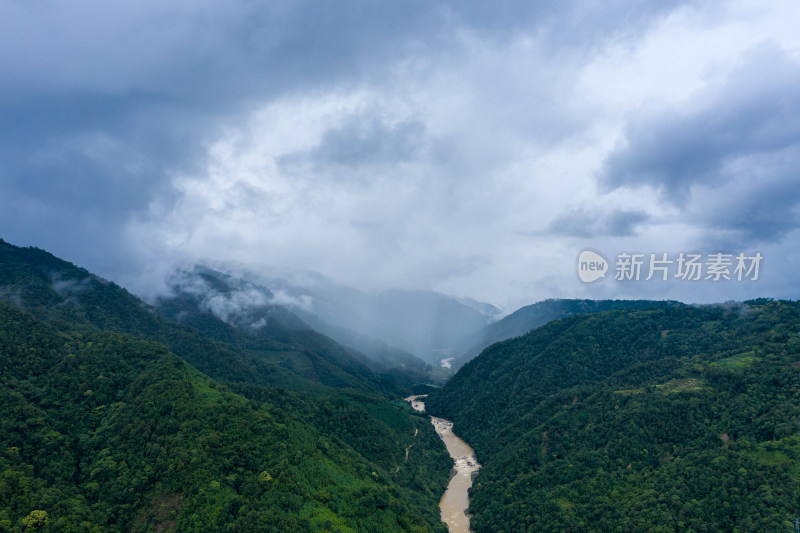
455, 501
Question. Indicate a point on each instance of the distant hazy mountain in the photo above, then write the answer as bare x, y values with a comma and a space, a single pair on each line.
425, 323
536, 315
393, 327
258, 310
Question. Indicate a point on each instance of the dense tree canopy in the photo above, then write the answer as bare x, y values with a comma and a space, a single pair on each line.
118, 418
108, 425
675, 419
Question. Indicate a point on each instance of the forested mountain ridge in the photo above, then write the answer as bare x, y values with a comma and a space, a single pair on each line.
57, 290
105, 429
674, 419
104, 432
536, 315
396, 327
205, 299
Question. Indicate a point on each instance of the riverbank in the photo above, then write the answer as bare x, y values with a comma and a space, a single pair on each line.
455, 501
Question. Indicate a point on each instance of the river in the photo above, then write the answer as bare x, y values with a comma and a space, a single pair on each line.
455, 501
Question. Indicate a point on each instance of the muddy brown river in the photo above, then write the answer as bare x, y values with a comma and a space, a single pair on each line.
455, 501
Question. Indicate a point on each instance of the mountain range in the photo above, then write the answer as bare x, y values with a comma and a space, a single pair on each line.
536, 315
406, 329
674, 418
116, 418
234, 403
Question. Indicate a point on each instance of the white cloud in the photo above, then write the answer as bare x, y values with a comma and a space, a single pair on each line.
428, 147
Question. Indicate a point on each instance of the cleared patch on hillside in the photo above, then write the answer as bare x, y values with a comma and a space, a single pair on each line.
738, 361
681, 385
785, 451
672, 386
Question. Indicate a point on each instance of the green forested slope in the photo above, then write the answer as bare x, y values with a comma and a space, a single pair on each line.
105, 432
56, 290
249, 305
536, 315
104, 429
675, 419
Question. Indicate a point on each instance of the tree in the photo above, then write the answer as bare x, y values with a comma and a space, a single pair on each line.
37, 519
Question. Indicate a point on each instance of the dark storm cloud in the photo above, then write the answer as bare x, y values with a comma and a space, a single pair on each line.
769, 215
729, 158
362, 140
139, 127
97, 154
100, 104
587, 223
159, 91
763, 206
755, 110
568, 25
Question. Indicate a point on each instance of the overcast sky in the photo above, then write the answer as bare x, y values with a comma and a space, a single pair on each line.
473, 148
